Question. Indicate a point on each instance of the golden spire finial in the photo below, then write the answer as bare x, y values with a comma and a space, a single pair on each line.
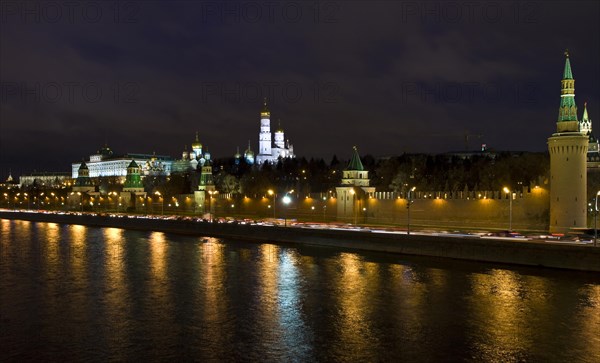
567, 52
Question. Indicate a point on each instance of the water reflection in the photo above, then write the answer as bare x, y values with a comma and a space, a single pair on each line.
589, 321
268, 313
357, 281
296, 338
215, 300
158, 250
121, 295
116, 291
498, 307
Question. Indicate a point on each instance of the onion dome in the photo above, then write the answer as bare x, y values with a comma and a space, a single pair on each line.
248, 151
237, 153
197, 144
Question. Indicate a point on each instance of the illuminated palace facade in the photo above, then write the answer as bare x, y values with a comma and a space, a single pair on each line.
104, 164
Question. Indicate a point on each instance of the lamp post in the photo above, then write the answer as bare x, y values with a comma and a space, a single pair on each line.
274, 196
409, 201
508, 191
286, 200
354, 211
596, 220
162, 208
210, 195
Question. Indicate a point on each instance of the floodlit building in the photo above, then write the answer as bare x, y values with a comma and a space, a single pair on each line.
568, 158
271, 148
45, 179
105, 164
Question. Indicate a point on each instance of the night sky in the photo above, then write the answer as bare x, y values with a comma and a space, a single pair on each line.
387, 76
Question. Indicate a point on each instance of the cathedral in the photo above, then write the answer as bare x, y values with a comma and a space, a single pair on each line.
270, 148
192, 160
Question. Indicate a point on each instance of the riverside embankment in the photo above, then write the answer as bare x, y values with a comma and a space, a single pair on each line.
519, 252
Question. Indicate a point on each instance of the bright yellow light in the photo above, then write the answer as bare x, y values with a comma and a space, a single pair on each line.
506, 190
270, 192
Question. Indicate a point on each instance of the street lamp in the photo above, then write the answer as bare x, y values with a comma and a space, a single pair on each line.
286, 200
409, 201
162, 208
272, 194
596, 220
210, 196
507, 191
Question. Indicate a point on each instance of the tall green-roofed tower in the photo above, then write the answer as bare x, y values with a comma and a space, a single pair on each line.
568, 149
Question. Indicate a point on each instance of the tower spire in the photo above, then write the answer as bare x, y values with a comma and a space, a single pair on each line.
355, 163
567, 74
265, 110
567, 112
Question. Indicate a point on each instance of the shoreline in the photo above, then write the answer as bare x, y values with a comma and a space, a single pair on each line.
472, 248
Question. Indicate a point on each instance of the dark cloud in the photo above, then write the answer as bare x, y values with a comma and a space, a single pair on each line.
389, 76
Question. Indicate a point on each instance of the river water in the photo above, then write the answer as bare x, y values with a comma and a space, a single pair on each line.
75, 293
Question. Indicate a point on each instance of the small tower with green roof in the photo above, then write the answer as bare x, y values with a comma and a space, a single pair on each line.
133, 180
83, 183
354, 192
133, 194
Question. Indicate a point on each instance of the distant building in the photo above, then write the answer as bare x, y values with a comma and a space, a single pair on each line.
271, 149
9, 182
104, 164
46, 179
568, 148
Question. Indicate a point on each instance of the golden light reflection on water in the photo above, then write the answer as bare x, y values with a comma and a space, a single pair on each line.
212, 271
158, 250
115, 284
77, 254
589, 322
499, 312
114, 262
268, 288
357, 282
51, 245
5, 231
411, 294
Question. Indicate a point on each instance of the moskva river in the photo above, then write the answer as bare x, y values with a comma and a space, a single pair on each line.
74, 293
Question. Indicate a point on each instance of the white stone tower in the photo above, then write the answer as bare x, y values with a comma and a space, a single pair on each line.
568, 157
264, 137
280, 137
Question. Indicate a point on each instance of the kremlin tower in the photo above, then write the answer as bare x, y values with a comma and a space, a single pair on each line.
568, 156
